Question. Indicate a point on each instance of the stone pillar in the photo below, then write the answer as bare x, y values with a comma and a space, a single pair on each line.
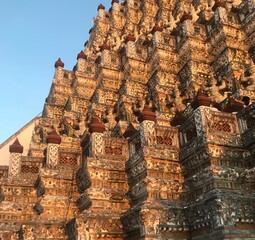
105, 57
130, 43
115, 5
101, 11
53, 141
156, 31
16, 150
96, 142
59, 69
148, 135
220, 12
81, 59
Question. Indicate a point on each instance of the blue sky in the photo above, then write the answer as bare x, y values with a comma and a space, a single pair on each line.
33, 34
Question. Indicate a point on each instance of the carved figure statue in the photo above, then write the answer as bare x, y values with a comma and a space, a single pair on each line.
82, 126
250, 79
137, 107
121, 113
66, 127
174, 100
214, 91
41, 132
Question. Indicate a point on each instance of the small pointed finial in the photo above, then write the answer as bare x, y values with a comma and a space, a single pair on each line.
59, 63
16, 147
81, 55
100, 7
53, 137
96, 126
115, 1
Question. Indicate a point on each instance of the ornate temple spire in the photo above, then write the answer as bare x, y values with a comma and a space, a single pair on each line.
53, 137
59, 63
16, 147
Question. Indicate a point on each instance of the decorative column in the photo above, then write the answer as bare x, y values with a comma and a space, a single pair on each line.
130, 43
102, 188
147, 118
101, 12
96, 149
53, 141
97, 144
16, 150
115, 5
59, 71
219, 7
156, 31
105, 57
81, 58
137, 173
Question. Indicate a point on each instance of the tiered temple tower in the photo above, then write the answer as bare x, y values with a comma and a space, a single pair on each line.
150, 136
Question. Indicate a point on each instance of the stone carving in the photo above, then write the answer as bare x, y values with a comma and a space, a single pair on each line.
15, 164
67, 127
175, 101
118, 170
250, 78
214, 91
52, 155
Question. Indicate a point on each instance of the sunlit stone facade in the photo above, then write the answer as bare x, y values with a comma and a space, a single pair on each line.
150, 136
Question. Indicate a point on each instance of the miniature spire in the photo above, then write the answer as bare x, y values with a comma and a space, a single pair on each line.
147, 114
129, 38
156, 28
16, 147
233, 105
115, 1
59, 63
201, 100
53, 137
105, 46
52, 153
100, 7
96, 126
81, 55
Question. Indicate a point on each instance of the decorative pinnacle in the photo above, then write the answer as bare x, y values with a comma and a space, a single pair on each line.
96, 126
105, 46
59, 63
16, 147
100, 7
53, 137
156, 28
115, 1
81, 55
130, 38
219, 3
147, 114
233, 105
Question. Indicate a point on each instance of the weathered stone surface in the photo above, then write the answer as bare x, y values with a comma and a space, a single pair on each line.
104, 162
